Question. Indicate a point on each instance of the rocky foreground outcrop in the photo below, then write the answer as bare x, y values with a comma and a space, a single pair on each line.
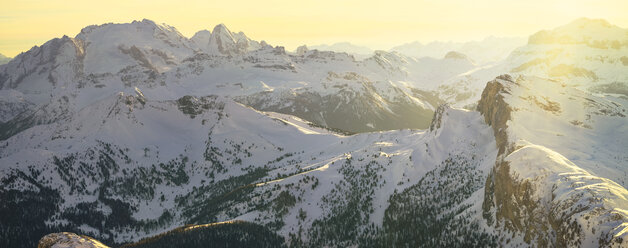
67, 240
536, 196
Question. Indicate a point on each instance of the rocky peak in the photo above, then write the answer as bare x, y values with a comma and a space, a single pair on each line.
201, 38
66, 239
393, 56
221, 41
54, 55
103, 43
302, 50
531, 190
495, 110
221, 29
135, 26
224, 42
438, 117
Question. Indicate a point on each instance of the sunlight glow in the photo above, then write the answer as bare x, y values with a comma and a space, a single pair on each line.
377, 24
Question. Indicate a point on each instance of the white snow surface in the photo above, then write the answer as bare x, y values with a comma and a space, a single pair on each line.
157, 131
97, 92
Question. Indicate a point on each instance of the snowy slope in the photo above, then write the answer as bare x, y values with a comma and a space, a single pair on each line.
110, 48
166, 131
581, 126
561, 164
489, 50
360, 52
588, 53
145, 162
11, 103
585, 52
165, 65
156, 57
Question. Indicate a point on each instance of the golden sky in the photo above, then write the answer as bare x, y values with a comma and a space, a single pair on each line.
377, 24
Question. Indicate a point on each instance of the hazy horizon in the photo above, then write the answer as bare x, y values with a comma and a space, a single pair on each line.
378, 26
510, 131
308, 44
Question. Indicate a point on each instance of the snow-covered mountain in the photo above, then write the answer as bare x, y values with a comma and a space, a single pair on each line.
587, 53
147, 163
67, 74
131, 167
553, 184
360, 52
489, 50
169, 174
12, 102
221, 41
135, 138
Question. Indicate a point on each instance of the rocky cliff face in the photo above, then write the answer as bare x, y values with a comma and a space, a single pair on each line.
385, 92
93, 154
536, 196
66, 239
495, 110
142, 168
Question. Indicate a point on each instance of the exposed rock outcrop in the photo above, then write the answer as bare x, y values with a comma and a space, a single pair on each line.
537, 195
69, 240
438, 117
495, 110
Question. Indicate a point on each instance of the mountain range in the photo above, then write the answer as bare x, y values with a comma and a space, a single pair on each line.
133, 134
489, 50
4, 59
360, 52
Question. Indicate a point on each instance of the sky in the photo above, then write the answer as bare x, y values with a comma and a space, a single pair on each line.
375, 24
